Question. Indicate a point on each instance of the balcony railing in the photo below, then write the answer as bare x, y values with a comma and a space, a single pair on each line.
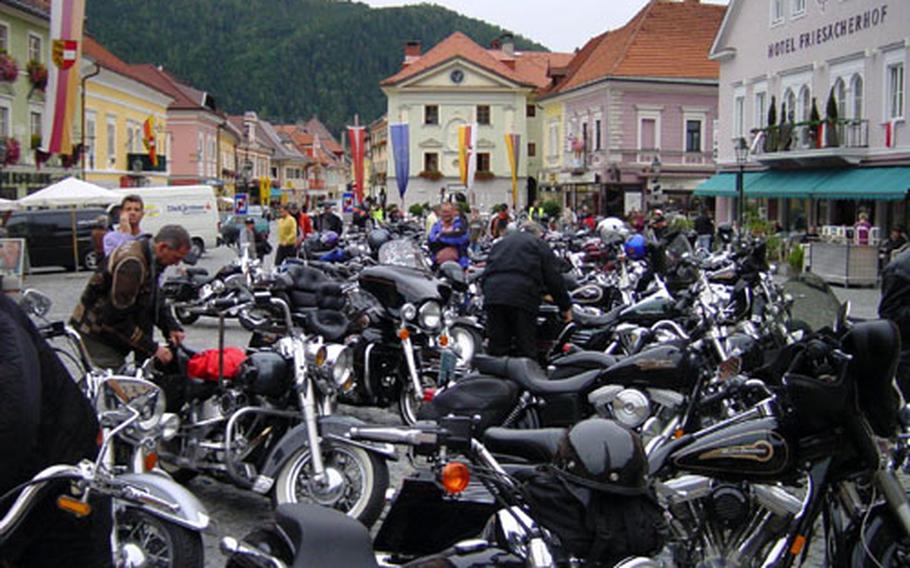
667, 157
811, 135
143, 163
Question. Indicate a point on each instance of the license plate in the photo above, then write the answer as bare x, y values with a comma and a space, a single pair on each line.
447, 361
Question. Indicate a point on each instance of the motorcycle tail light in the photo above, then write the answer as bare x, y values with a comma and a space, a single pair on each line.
74, 506
455, 477
150, 461
566, 347
429, 394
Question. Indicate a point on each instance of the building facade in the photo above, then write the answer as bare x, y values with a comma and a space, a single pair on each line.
629, 123
458, 82
377, 157
822, 167
118, 102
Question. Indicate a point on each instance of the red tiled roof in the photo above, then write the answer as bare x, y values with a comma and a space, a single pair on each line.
163, 81
98, 53
667, 39
317, 128
299, 138
530, 67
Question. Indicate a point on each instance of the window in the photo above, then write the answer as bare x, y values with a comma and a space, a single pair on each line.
777, 12
553, 139
648, 133
4, 121
483, 162
856, 87
598, 135
90, 141
34, 47
805, 104
4, 37
799, 7
111, 141
431, 114
431, 162
895, 78
738, 112
790, 101
693, 136
483, 114
34, 120
584, 135
532, 149
274, 173
840, 97
531, 111
761, 109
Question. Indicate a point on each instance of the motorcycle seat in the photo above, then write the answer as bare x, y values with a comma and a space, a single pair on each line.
536, 446
196, 271
306, 278
325, 537
585, 319
329, 296
528, 374
330, 324
581, 361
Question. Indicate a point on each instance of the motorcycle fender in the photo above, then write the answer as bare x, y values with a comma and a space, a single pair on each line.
187, 510
468, 322
334, 427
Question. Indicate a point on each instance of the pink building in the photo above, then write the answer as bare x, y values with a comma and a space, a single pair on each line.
639, 112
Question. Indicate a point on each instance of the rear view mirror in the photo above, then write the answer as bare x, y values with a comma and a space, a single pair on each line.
35, 303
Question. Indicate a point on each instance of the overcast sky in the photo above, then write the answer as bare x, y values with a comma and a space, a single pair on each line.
561, 25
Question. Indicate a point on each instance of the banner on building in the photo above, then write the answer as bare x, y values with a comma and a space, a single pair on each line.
357, 136
63, 75
891, 133
148, 139
513, 150
401, 153
467, 161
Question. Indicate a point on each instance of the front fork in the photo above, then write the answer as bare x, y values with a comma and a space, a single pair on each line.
895, 496
307, 397
408, 347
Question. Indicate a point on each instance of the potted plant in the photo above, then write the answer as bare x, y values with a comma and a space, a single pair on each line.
432, 175
831, 120
9, 69
785, 130
770, 143
815, 126
795, 260
13, 151
484, 176
37, 74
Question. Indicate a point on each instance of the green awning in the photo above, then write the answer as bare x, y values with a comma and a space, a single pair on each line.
797, 184
884, 184
724, 184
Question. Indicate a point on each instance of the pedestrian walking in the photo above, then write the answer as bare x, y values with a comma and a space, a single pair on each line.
520, 269
704, 228
287, 236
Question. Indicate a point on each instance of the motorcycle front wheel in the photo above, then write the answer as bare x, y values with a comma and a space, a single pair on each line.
355, 484
409, 403
146, 540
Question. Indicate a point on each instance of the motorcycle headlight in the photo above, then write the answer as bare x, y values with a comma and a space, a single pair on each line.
430, 316
343, 370
316, 353
408, 312
170, 425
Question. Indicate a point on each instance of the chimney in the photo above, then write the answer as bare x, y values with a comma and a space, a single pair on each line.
411, 51
508, 44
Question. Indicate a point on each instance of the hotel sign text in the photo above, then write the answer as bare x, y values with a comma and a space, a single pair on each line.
832, 31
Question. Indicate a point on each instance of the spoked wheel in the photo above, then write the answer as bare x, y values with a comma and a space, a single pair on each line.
410, 403
355, 481
883, 544
145, 540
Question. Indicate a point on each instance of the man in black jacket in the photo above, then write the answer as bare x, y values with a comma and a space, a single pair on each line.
44, 420
520, 269
895, 306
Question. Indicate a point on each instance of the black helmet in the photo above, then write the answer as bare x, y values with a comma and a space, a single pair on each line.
377, 238
602, 451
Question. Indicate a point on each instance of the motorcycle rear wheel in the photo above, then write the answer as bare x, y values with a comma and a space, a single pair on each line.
361, 472
160, 543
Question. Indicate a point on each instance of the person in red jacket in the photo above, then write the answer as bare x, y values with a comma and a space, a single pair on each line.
304, 223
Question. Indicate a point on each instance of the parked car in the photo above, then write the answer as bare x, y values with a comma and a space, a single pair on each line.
233, 224
49, 236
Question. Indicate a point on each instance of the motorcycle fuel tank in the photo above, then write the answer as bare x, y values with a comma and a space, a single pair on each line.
749, 450
662, 366
394, 286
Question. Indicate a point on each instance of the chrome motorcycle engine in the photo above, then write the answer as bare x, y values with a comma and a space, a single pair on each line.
717, 524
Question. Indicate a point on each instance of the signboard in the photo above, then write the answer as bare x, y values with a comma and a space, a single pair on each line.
12, 263
240, 204
347, 202
631, 202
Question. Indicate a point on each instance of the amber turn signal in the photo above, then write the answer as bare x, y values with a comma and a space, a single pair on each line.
74, 506
443, 340
403, 333
455, 477
150, 461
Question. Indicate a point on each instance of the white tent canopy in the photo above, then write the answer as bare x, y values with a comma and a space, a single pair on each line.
8, 205
70, 192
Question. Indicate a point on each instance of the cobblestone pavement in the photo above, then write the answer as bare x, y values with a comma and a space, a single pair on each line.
237, 512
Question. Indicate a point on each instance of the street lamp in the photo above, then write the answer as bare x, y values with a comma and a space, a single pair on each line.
742, 155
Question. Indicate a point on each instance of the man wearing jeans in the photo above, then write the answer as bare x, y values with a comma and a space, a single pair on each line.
287, 236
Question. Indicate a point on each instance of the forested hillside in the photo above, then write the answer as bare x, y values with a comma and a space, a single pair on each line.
286, 59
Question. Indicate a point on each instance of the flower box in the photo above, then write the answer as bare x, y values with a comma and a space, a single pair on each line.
9, 69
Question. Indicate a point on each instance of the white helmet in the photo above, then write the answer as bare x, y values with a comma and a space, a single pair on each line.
611, 228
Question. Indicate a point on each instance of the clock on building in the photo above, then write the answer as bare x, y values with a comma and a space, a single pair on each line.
457, 76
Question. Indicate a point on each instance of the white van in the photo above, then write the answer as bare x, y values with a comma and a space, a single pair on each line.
192, 206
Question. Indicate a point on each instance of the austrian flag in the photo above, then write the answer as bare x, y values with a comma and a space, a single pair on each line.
890, 133
63, 78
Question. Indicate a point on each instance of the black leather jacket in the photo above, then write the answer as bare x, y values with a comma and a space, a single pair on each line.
519, 270
895, 303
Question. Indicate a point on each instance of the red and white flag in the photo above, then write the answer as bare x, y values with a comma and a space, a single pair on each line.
890, 134
357, 136
63, 78
820, 134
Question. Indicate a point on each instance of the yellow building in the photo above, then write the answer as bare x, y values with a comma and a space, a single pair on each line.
229, 139
553, 134
118, 101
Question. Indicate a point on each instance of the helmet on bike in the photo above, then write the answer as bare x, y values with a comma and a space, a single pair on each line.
612, 228
636, 247
377, 238
329, 239
602, 451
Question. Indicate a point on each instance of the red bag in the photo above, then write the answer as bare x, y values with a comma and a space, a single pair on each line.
204, 365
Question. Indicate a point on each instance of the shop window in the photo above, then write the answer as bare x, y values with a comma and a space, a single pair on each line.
483, 114
431, 114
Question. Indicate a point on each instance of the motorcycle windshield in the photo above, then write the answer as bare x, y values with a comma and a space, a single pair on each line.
402, 252
813, 301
